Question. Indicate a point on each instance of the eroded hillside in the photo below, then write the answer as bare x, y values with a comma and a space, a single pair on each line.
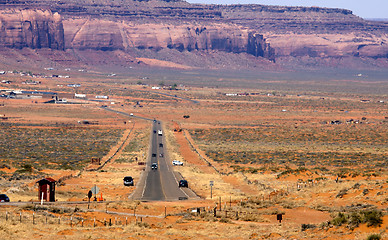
287, 35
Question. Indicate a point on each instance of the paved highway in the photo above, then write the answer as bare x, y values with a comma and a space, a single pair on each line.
160, 184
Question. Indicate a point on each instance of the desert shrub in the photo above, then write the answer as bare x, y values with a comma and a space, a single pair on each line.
28, 207
25, 168
225, 220
308, 226
208, 217
373, 218
339, 219
143, 225
342, 193
354, 220
250, 217
374, 237
59, 210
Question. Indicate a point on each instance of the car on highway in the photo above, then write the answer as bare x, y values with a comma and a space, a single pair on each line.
183, 183
154, 166
4, 198
160, 144
154, 155
177, 163
131, 114
161, 155
154, 131
128, 181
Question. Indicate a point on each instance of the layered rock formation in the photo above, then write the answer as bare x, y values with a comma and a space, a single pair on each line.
313, 32
262, 31
31, 28
124, 35
120, 25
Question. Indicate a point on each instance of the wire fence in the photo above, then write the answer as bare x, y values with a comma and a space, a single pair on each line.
73, 220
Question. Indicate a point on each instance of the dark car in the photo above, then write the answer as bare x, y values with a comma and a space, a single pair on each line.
160, 144
183, 183
128, 181
4, 198
154, 131
154, 155
154, 166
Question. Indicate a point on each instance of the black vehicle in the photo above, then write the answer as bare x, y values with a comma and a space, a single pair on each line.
154, 166
128, 181
160, 144
4, 198
154, 155
183, 183
154, 131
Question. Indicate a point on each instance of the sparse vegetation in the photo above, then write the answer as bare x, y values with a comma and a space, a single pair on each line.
372, 218
54, 148
374, 237
326, 180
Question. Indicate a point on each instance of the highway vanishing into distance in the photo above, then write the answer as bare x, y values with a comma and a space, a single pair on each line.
159, 184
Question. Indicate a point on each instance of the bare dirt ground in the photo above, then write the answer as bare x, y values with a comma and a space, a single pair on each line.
275, 152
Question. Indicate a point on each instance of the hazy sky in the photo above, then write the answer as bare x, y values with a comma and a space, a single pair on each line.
362, 8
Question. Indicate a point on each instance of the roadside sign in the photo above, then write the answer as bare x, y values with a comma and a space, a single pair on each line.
211, 183
95, 189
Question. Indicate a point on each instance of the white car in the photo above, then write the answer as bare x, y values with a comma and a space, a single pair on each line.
177, 163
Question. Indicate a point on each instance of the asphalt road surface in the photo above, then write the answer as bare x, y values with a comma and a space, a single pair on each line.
160, 184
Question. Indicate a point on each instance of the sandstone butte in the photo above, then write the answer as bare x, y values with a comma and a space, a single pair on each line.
270, 32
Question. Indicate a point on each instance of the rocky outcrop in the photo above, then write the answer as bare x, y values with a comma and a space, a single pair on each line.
31, 28
109, 26
259, 30
109, 35
258, 47
312, 32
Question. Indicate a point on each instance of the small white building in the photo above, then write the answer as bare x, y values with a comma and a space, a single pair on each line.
79, 95
102, 97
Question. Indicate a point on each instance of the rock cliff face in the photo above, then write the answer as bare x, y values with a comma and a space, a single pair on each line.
262, 31
31, 28
124, 35
118, 25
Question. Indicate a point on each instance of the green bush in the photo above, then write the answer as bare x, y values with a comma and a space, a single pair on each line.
373, 218
308, 226
354, 220
339, 219
374, 237
225, 220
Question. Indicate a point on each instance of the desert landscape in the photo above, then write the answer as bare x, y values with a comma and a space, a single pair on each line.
318, 158
277, 139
